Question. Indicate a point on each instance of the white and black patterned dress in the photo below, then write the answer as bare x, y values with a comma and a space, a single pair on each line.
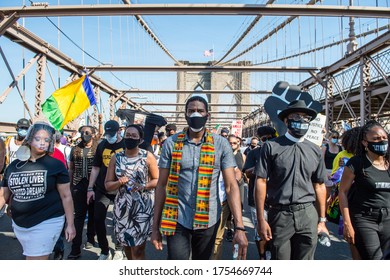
133, 211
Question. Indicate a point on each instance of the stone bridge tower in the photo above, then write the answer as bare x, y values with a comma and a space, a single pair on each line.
205, 80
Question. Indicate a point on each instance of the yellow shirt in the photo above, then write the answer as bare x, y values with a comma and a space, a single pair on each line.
336, 160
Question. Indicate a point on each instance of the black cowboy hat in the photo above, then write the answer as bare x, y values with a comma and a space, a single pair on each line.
297, 106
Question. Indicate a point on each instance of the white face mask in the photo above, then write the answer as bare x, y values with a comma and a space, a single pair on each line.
196, 121
196, 130
111, 139
122, 133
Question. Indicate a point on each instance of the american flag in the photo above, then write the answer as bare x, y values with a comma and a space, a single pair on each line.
208, 52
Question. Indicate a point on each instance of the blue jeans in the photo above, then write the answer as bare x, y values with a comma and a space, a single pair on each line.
186, 241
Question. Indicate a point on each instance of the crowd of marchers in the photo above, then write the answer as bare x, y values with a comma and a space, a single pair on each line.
188, 186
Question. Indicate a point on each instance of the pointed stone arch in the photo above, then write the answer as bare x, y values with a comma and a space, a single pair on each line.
231, 81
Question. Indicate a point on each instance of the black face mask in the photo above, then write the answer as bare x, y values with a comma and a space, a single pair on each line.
380, 148
297, 128
196, 122
253, 146
86, 138
131, 143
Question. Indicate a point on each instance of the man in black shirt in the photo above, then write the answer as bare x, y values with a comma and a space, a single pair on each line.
253, 145
265, 133
291, 172
113, 144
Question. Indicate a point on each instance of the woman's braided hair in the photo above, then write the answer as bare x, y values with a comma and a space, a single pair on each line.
350, 140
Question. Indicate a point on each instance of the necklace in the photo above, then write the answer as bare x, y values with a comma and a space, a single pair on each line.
31, 159
375, 164
18, 166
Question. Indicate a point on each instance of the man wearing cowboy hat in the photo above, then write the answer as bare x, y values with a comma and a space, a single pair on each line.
291, 172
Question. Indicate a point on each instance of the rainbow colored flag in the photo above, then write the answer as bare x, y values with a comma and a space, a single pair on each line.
68, 102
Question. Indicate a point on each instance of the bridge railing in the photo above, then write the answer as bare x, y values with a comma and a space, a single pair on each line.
349, 79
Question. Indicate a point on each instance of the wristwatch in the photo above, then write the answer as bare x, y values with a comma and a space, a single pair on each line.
323, 219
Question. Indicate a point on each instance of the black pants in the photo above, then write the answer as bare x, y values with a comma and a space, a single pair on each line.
294, 233
186, 241
372, 232
102, 201
79, 194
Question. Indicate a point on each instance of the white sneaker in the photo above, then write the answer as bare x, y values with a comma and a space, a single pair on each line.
118, 255
104, 257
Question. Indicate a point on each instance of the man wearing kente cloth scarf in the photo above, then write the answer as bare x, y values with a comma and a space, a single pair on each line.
187, 205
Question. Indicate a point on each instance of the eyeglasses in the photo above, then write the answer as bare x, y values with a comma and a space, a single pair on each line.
233, 143
297, 117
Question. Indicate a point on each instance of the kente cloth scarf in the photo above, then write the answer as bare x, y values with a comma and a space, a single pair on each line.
205, 172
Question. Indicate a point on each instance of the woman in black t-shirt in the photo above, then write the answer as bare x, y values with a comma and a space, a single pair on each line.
37, 186
330, 151
365, 194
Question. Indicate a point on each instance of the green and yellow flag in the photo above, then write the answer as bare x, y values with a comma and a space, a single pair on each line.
68, 102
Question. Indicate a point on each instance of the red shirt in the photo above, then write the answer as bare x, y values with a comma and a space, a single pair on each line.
59, 155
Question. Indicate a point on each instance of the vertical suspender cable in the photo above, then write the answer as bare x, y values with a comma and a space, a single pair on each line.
128, 41
377, 21
82, 36
323, 40
24, 76
341, 30
388, 21
59, 47
111, 50
311, 37
299, 46
315, 40
120, 38
285, 49
98, 31
83, 58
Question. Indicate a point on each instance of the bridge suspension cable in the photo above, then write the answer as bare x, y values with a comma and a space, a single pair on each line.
85, 52
152, 35
326, 46
246, 32
269, 35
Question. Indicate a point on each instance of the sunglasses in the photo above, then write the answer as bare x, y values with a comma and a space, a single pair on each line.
297, 117
233, 143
